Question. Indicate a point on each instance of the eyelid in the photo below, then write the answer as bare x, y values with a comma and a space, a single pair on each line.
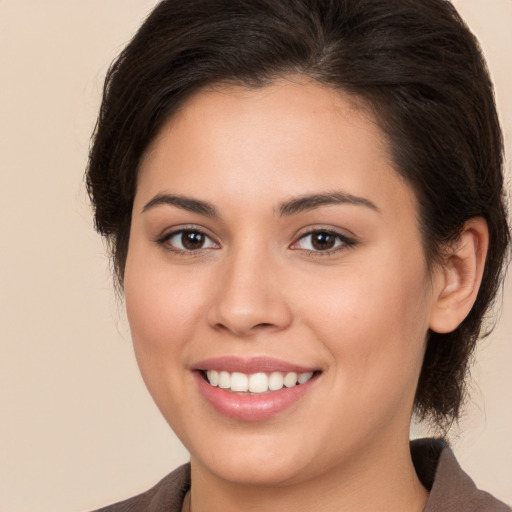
163, 239
346, 241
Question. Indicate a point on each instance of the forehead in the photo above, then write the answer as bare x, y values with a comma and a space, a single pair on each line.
269, 142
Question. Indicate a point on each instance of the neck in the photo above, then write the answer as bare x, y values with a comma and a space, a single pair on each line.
381, 480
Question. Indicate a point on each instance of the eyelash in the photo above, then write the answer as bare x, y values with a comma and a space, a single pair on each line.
344, 242
164, 241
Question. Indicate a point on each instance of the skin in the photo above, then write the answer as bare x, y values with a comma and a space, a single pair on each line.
359, 314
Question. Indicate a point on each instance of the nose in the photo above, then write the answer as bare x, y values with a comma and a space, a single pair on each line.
249, 297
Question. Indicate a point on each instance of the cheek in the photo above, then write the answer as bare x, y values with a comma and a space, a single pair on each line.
163, 311
162, 308
373, 320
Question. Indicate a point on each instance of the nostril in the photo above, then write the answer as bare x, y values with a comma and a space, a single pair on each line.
246, 315
244, 329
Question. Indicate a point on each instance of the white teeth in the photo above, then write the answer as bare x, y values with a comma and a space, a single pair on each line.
275, 381
257, 382
290, 380
224, 380
213, 377
239, 382
304, 377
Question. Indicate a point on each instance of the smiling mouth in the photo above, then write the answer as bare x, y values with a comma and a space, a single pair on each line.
254, 389
256, 383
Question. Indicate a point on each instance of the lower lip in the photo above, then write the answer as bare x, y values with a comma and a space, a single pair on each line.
251, 407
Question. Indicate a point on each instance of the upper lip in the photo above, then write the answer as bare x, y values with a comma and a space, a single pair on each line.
250, 365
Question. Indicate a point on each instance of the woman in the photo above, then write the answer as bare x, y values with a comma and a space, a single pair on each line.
304, 201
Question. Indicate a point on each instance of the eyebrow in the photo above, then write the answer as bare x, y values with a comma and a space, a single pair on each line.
290, 207
185, 203
310, 202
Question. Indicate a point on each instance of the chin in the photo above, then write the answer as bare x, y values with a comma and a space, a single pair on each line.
253, 471
262, 460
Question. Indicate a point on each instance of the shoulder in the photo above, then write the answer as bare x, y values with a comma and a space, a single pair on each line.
167, 495
451, 489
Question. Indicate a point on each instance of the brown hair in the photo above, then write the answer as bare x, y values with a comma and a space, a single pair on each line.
414, 62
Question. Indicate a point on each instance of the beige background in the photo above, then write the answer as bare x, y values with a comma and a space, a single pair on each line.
77, 427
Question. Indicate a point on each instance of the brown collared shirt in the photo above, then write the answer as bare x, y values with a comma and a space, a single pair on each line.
451, 490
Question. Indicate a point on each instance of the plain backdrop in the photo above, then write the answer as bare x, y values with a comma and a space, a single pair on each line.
77, 427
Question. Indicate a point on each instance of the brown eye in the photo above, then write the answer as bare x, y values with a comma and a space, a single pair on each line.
322, 241
188, 240
192, 240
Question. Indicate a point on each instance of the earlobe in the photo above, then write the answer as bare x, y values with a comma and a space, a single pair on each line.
458, 279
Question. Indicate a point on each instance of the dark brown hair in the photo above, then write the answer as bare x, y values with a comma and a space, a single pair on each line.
415, 63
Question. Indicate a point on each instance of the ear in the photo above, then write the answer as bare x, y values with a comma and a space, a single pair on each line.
458, 279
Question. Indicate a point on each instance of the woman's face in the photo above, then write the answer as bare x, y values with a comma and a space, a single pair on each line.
271, 237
